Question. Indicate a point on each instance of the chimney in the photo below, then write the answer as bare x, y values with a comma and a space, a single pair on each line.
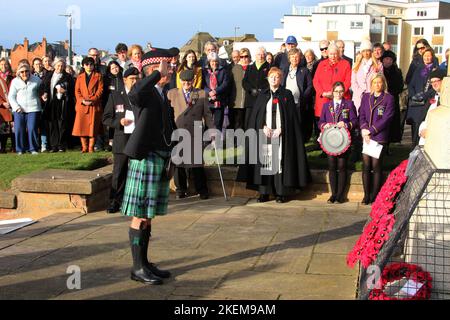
25, 43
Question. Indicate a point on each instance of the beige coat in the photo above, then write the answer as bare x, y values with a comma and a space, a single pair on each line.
185, 114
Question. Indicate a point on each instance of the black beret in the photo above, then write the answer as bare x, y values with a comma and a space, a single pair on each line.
174, 51
156, 55
438, 73
389, 54
187, 75
131, 72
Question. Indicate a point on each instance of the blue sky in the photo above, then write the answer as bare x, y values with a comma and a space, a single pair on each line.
163, 23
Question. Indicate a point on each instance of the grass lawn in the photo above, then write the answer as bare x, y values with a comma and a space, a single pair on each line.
399, 153
14, 165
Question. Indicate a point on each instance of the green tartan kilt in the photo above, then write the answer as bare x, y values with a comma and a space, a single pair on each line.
146, 192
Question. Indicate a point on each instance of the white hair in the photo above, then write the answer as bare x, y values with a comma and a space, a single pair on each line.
262, 49
213, 56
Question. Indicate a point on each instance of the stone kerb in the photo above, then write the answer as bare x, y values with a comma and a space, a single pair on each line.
57, 189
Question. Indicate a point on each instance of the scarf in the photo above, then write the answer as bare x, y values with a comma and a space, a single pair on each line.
137, 65
212, 79
55, 79
426, 71
5, 74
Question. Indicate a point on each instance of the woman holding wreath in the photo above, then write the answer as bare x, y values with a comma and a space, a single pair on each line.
375, 116
341, 113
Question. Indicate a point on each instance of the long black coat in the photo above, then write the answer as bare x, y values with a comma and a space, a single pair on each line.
254, 79
295, 169
55, 109
394, 80
153, 117
118, 103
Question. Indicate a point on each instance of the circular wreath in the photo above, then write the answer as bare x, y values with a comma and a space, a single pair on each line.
335, 154
400, 270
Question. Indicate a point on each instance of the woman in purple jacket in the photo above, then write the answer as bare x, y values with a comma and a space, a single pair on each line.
342, 113
375, 116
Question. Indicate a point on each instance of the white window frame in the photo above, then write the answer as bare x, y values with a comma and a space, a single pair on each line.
392, 29
333, 28
441, 31
421, 29
438, 50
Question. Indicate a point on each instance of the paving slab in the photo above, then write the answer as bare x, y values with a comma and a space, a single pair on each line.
215, 249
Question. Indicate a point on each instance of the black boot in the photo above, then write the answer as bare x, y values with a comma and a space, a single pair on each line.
148, 266
139, 272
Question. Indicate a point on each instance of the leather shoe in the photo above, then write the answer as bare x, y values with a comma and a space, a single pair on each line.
145, 277
113, 208
263, 198
332, 199
157, 272
204, 196
281, 199
181, 195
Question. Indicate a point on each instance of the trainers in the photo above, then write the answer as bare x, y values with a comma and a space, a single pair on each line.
34, 152
43, 149
19, 153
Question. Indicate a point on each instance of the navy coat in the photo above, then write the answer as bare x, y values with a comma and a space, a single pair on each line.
223, 81
304, 84
377, 117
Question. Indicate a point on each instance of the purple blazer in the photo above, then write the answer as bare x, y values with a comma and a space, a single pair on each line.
377, 117
346, 112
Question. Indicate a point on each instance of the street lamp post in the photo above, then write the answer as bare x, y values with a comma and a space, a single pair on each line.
70, 36
235, 35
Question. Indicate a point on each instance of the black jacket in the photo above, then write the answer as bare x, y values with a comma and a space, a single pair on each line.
304, 83
254, 82
153, 119
118, 103
110, 84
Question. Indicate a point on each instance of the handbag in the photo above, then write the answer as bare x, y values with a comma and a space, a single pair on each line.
169, 169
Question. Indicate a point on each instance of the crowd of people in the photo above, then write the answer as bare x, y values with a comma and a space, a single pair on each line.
45, 104
135, 102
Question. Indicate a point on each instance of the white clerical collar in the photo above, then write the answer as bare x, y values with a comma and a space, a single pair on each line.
127, 90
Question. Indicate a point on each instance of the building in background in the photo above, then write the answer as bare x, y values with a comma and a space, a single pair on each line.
401, 22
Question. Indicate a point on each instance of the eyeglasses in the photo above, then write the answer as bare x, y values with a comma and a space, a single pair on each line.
421, 48
323, 49
242, 57
24, 71
338, 91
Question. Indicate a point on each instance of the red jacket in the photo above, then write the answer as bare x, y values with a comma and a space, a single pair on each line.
324, 78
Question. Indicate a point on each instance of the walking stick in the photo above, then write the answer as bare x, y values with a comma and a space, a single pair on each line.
220, 171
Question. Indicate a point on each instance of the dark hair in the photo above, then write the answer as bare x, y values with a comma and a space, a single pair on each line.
36, 59
87, 60
378, 45
121, 47
421, 41
184, 60
108, 69
338, 84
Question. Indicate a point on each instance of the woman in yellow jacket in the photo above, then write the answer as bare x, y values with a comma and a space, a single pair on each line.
189, 62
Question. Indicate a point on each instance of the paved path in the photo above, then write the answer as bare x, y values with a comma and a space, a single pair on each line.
215, 249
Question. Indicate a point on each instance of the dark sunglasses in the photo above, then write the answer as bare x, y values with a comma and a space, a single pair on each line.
244, 57
323, 49
420, 48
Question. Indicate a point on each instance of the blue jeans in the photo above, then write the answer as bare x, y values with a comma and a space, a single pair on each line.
26, 131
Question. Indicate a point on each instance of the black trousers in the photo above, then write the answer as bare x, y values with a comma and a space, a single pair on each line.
239, 118
58, 133
119, 178
273, 184
180, 178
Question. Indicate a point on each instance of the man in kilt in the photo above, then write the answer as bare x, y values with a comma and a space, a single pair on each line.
149, 147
